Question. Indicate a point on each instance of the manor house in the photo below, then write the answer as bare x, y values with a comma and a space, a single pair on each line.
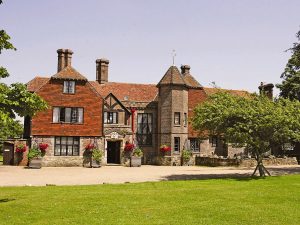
109, 114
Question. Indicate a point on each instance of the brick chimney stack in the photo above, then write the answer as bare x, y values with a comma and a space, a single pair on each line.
102, 70
266, 89
185, 69
64, 58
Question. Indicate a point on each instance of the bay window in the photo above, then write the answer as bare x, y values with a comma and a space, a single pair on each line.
144, 128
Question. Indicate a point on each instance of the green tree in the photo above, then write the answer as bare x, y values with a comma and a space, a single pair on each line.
255, 122
14, 98
290, 86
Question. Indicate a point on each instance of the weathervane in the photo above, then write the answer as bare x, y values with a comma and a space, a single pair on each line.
173, 55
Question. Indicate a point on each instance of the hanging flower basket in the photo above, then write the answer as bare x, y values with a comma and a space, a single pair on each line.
128, 147
21, 148
165, 148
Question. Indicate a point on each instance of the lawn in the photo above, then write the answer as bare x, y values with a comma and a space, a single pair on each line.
274, 200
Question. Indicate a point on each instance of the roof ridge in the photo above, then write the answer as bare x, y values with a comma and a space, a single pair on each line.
226, 89
113, 82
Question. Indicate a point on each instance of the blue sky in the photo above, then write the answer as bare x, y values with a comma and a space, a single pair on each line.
236, 44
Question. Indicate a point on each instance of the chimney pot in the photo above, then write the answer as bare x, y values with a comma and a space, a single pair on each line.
266, 89
64, 58
185, 69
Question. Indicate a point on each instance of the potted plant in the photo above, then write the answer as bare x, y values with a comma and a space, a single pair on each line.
186, 157
136, 158
96, 158
34, 158
43, 147
20, 148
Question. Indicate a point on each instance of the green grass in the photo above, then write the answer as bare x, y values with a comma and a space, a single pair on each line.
274, 200
1, 159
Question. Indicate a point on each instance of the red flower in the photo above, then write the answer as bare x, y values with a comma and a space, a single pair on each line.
128, 147
165, 148
43, 146
90, 146
21, 148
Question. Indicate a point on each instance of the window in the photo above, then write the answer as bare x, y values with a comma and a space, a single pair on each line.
69, 87
185, 119
195, 145
67, 115
66, 146
111, 117
214, 141
177, 118
177, 144
144, 128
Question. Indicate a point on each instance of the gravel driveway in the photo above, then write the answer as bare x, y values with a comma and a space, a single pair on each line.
20, 176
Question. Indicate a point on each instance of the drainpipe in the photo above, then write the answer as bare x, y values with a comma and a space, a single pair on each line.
132, 122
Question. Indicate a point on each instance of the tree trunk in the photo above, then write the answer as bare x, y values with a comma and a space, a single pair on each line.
261, 169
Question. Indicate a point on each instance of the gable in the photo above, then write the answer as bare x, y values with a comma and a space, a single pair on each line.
112, 103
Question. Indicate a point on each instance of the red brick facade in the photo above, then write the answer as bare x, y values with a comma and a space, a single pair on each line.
85, 96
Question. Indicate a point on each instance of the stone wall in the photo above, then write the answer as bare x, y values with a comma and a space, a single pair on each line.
51, 160
208, 161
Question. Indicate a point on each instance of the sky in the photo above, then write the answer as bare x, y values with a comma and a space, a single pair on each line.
235, 43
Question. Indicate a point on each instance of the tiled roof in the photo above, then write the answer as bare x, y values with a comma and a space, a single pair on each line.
36, 83
172, 76
69, 73
191, 81
127, 91
241, 93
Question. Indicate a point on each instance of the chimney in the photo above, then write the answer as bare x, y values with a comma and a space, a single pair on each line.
102, 70
185, 69
64, 58
266, 89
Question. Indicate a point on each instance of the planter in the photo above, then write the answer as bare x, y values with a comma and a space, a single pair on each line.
35, 163
135, 161
95, 163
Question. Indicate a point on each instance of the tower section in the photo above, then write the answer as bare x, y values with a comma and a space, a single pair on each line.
172, 115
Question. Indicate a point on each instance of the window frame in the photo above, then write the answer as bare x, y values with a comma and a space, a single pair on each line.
68, 89
177, 122
185, 119
148, 136
74, 138
108, 113
214, 141
62, 113
196, 143
177, 145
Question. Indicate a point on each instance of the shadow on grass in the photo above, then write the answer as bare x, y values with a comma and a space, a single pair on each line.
275, 171
3, 200
234, 176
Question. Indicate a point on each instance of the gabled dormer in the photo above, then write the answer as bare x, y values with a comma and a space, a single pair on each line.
115, 112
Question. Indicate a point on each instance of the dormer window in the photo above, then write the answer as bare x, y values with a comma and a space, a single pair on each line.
69, 87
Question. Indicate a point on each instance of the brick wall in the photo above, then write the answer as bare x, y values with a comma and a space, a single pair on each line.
84, 96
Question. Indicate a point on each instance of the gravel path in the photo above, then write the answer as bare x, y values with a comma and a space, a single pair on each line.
20, 176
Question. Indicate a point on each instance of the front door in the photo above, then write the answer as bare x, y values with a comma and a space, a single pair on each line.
113, 152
